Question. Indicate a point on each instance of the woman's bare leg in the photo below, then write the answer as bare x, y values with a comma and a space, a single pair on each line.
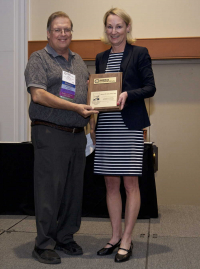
131, 212
114, 204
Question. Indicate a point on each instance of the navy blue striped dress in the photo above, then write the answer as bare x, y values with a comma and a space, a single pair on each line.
119, 151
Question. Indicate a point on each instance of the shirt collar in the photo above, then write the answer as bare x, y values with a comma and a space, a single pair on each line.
51, 51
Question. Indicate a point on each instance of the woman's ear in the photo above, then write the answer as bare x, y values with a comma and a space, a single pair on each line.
128, 28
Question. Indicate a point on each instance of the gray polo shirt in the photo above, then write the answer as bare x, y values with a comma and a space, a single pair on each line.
44, 70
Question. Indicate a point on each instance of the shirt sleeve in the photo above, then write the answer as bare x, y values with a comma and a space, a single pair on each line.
35, 73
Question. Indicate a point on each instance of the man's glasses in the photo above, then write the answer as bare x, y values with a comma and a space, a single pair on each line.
60, 31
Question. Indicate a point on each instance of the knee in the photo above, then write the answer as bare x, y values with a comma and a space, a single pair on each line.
131, 186
112, 187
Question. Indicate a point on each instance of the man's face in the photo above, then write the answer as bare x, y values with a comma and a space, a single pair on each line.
60, 34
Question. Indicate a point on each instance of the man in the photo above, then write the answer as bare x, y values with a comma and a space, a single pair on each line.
57, 78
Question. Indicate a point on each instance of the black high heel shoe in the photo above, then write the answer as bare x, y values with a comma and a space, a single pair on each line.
124, 257
108, 251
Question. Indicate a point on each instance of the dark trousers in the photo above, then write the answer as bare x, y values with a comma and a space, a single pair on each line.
58, 184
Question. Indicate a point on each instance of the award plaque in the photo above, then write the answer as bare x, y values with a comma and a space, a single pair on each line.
104, 91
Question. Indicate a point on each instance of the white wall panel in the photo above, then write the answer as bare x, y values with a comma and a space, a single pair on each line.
6, 25
7, 96
13, 57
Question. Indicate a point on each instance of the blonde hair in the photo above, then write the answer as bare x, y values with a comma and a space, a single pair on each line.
125, 17
55, 15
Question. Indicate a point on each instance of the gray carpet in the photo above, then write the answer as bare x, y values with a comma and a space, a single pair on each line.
171, 241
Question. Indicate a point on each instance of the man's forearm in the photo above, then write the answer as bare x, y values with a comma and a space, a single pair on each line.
45, 98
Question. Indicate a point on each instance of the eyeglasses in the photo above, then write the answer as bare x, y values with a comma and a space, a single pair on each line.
59, 30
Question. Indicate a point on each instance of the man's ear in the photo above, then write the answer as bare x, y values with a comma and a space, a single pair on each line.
48, 34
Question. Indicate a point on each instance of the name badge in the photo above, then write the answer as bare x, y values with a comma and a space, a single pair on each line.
68, 87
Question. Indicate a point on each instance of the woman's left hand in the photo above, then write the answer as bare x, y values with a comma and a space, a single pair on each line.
122, 99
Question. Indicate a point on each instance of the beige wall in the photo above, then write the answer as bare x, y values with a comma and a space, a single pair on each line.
151, 18
175, 109
175, 114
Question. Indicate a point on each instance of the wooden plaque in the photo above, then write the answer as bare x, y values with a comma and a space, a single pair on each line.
104, 90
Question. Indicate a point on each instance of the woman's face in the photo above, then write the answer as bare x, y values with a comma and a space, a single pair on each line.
116, 30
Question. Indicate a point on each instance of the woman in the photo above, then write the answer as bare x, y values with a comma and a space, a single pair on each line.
119, 135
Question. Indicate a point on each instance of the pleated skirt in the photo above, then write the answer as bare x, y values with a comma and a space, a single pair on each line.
119, 150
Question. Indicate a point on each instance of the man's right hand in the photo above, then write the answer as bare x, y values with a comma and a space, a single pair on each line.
85, 110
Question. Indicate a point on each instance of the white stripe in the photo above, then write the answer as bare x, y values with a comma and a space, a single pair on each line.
114, 64
133, 144
114, 125
122, 149
110, 66
117, 165
115, 55
100, 161
114, 149
108, 156
117, 170
127, 133
128, 136
124, 174
106, 159
118, 139
122, 142
118, 60
108, 120
111, 131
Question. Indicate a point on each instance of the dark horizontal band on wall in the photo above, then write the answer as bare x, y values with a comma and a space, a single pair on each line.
159, 48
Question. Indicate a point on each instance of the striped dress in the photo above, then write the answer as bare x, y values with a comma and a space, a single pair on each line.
119, 151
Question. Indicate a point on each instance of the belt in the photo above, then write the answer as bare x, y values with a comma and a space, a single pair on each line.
59, 127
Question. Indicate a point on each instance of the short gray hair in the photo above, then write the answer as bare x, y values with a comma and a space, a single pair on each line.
55, 15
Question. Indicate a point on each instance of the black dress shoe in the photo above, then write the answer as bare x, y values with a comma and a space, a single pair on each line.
108, 251
46, 255
71, 248
124, 257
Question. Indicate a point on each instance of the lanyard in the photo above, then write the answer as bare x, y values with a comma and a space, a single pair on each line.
66, 68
